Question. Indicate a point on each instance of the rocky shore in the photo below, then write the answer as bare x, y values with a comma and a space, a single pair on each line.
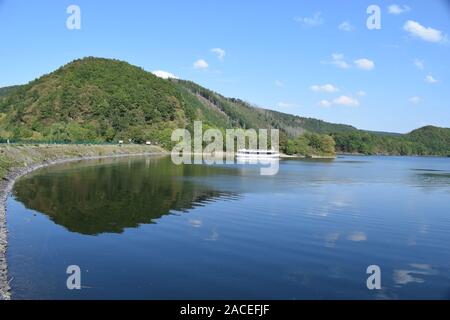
19, 160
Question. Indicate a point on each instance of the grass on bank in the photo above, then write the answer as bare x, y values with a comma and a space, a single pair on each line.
21, 155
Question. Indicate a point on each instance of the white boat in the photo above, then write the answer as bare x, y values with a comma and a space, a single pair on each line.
257, 154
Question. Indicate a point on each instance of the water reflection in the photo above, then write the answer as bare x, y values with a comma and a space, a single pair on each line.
431, 178
357, 236
92, 198
308, 232
414, 274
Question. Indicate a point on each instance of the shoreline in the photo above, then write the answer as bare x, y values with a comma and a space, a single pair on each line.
343, 154
6, 186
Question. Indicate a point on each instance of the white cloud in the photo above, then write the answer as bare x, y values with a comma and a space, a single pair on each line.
346, 101
429, 78
361, 93
164, 74
428, 34
364, 64
398, 9
340, 101
220, 53
279, 83
324, 103
329, 88
314, 21
337, 56
345, 26
419, 64
201, 64
415, 100
286, 105
337, 59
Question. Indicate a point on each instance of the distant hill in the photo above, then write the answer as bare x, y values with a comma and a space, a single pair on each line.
428, 140
435, 139
242, 114
104, 100
7, 90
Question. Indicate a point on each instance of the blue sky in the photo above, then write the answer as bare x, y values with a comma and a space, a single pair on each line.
311, 58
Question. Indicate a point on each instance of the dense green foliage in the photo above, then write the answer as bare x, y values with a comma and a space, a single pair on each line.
310, 144
243, 114
103, 100
90, 100
7, 90
424, 141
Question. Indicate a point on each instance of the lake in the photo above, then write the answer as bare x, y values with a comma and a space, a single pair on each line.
143, 228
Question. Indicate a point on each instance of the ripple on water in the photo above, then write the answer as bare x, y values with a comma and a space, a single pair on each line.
215, 232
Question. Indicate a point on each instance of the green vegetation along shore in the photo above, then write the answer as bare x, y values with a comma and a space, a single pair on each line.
426, 141
21, 156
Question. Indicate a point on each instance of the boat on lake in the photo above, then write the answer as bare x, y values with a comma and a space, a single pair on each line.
257, 154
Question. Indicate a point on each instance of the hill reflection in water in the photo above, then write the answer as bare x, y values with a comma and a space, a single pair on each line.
107, 196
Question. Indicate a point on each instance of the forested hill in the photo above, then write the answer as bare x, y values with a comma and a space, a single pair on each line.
246, 115
428, 140
104, 100
7, 90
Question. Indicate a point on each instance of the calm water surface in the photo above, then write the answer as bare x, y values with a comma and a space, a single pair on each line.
143, 228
